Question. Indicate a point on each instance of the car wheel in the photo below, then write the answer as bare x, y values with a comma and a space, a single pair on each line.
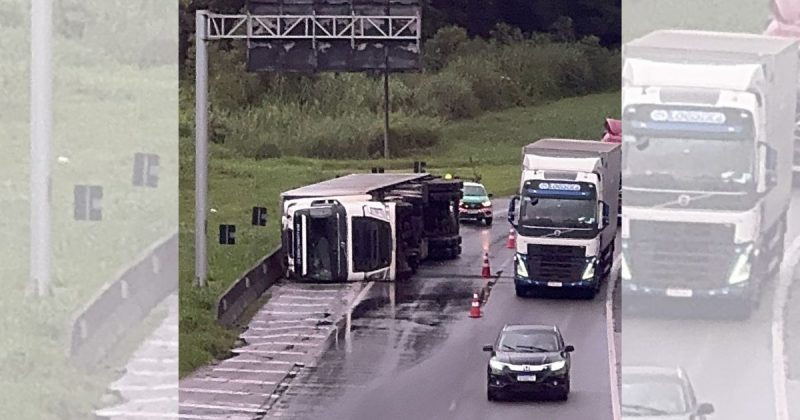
488, 221
521, 292
491, 395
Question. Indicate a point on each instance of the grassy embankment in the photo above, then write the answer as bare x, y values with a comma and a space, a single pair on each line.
104, 112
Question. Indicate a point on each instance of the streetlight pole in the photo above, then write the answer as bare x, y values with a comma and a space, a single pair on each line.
41, 122
201, 149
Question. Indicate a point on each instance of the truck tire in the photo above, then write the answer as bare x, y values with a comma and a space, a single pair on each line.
444, 196
444, 242
439, 186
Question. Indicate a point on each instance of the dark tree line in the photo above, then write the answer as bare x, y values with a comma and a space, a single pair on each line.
568, 18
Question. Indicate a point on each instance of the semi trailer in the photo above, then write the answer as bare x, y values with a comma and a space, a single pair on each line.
376, 227
707, 165
568, 193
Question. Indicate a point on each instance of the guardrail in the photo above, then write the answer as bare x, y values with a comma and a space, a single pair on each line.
123, 303
250, 286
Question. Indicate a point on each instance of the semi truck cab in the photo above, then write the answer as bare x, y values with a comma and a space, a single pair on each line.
339, 240
568, 194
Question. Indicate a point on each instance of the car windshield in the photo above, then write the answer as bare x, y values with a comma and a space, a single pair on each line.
643, 396
474, 191
529, 341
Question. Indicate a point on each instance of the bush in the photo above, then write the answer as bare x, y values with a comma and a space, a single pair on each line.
447, 95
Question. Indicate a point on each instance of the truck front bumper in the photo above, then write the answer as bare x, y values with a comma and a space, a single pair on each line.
635, 293
528, 283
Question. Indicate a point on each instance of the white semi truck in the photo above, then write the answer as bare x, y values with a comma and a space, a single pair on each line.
565, 215
707, 169
377, 226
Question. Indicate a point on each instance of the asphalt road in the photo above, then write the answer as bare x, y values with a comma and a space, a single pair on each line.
421, 358
730, 362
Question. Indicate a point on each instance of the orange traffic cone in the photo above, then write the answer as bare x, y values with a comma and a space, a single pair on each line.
475, 310
512, 240
485, 271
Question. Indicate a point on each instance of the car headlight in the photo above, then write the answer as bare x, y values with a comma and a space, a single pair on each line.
497, 366
741, 270
522, 268
588, 273
624, 269
555, 366
487, 204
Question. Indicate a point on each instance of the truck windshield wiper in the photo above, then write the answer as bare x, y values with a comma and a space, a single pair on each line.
649, 410
510, 348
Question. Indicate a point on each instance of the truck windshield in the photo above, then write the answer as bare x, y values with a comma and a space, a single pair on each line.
324, 238
723, 165
550, 212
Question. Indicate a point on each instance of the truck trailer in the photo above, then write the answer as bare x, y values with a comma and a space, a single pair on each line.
569, 190
375, 227
707, 170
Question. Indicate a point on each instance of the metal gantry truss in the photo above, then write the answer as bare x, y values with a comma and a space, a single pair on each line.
313, 27
356, 28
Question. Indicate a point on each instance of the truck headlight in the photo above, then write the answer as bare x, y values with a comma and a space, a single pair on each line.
588, 272
497, 366
741, 270
624, 269
522, 269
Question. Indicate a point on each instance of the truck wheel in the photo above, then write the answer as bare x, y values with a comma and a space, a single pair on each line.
443, 242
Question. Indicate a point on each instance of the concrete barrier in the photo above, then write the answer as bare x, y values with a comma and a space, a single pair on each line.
250, 286
123, 303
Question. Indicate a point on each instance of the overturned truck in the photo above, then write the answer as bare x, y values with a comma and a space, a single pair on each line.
375, 227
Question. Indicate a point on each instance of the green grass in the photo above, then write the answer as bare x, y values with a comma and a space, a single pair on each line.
489, 146
104, 113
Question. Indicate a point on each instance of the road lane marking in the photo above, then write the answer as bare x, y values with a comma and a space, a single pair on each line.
282, 343
242, 408
249, 351
270, 336
279, 372
222, 392
300, 305
256, 361
236, 381
612, 346
315, 298
779, 374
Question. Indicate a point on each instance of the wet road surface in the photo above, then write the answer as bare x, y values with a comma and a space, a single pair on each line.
421, 358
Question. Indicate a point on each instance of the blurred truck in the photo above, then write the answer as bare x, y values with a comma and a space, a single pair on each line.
613, 134
569, 191
707, 164
785, 22
376, 227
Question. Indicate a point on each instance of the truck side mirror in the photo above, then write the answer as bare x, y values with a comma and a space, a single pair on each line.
605, 209
770, 165
705, 409
512, 206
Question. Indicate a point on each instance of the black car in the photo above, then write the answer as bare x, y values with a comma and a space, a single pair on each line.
529, 360
660, 394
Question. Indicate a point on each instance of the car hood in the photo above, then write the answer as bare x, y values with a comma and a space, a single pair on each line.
474, 199
534, 359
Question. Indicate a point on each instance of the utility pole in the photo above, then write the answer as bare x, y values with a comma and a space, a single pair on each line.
201, 149
41, 123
